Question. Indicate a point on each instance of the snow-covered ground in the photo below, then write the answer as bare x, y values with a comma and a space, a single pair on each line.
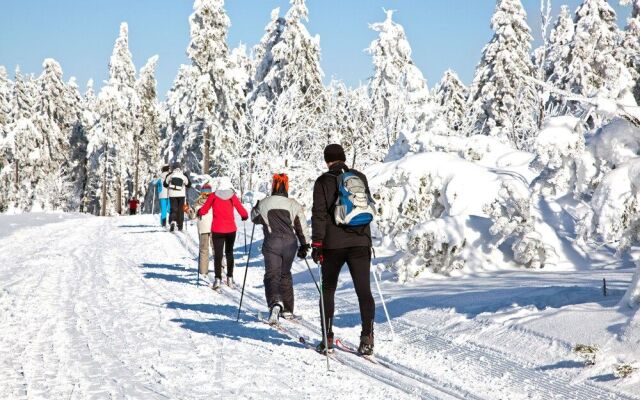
109, 308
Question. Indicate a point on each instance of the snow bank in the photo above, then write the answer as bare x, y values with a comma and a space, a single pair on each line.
432, 212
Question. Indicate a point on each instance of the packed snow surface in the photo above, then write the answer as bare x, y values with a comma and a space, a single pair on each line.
110, 308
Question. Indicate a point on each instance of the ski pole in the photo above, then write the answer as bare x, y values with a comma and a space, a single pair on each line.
244, 227
312, 276
322, 317
244, 281
384, 305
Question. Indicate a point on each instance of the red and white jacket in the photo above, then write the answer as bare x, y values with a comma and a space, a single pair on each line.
222, 202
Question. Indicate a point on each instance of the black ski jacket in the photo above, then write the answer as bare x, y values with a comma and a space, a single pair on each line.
323, 226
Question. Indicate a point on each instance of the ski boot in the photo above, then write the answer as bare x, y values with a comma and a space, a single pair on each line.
286, 314
274, 314
366, 345
217, 283
230, 282
173, 227
320, 346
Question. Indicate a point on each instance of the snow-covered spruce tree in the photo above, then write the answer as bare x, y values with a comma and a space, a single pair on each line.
111, 148
398, 90
147, 151
557, 57
288, 102
451, 97
219, 110
83, 107
24, 101
595, 68
55, 118
504, 101
181, 130
630, 49
5, 100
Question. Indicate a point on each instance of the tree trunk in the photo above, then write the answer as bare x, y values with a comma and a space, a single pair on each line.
206, 151
137, 171
119, 198
103, 200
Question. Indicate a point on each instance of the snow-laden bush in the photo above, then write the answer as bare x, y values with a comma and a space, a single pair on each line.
559, 149
436, 246
512, 218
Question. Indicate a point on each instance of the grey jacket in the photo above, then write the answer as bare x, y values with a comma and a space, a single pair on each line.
282, 217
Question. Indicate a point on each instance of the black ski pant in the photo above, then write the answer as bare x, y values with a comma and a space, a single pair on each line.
177, 212
358, 259
279, 253
223, 244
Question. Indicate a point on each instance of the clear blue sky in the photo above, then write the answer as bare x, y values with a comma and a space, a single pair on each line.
80, 33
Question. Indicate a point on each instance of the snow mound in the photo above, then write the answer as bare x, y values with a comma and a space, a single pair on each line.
432, 211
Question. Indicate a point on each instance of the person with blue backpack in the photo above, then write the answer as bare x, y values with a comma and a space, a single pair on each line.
163, 195
341, 214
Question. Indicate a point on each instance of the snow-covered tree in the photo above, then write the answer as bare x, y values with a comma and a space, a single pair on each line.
287, 57
595, 68
147, 141
451, 97
24, 101
5, 100
111, 148
630, 48
219, 95
557, 57
504, 101
398, 90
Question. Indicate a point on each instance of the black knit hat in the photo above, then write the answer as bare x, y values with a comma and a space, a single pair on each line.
334, 152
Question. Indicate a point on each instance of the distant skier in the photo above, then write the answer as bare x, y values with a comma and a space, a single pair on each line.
204, 230
341, 234
163, 195
177, 183
133, 205
223, 228
284, 225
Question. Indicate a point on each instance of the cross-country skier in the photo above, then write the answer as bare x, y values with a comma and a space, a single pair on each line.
284, 225
133, 205
163, 195
177, 183
223, 228
204, 230
334, 245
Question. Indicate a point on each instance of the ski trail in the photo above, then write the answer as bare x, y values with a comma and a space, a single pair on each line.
108, 308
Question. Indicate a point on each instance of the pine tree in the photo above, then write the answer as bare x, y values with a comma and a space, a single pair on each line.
560, 41
5, 100
630, 48
111, 148
23, 99
288, 58
504, 102
594, 67
451, 96
147, 142
398, 90
219, 97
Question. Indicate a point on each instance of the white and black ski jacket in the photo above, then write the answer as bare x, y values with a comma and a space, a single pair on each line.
177, 183
283, 218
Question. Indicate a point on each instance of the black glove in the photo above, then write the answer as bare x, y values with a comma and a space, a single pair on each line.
245, 218
316, 252
303, 250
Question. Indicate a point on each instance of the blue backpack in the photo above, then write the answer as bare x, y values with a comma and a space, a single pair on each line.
354, 207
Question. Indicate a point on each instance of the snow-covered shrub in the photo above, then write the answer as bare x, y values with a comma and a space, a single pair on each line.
559, 147
512, 219
436, 246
